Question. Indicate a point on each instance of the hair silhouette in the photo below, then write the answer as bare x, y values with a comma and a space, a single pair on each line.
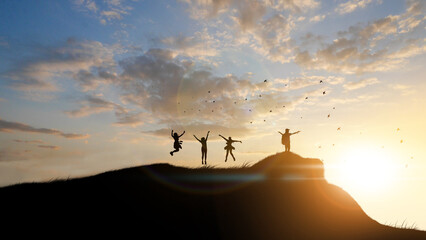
203, 142
229, 146
285, 138
177, 144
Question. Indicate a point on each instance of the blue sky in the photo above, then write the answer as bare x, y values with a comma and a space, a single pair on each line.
88, 86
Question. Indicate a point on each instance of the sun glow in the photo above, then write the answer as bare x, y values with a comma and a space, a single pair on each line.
367, 169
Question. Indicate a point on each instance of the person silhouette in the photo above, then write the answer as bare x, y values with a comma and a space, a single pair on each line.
229, 146
285, 138
203, 142
177, 144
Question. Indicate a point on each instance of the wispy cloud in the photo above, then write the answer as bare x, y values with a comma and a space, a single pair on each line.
28, 141
52, 147
361, 83
53, 63
352, 5
107, 11
7, 126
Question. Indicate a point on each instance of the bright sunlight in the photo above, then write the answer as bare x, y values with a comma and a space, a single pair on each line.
367, 169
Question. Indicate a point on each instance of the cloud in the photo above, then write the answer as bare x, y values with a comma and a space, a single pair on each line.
169, 91
52, 64
403, 88
377, 46
49, 147
108, 12
352, 5
92, 105
361, 83
261, 25
317, 18
28, 141
6, 126
202, 44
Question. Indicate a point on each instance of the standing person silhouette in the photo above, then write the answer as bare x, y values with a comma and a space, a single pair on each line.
285, 138
203, 142
177, 144
229, 146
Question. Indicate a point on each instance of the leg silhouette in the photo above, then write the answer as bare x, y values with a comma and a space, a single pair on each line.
226, 158
232, 155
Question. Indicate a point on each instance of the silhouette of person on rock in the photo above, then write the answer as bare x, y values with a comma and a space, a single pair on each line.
177, 144
203, 142
229, 146
285, 138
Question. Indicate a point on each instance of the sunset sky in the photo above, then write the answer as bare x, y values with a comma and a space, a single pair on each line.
89, 86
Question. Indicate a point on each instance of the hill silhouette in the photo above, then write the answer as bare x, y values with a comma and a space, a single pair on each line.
283, 196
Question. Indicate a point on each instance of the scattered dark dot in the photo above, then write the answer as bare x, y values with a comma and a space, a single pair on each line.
264, 120
306, 97
235, 102
270, 110
338, 128
401, 141
320, 81
251, 122
212, 110
334, 107
323, 93
328, 115
265, 80
214, 101
249, 110
260, 95
246, 99
397, 129
209, 91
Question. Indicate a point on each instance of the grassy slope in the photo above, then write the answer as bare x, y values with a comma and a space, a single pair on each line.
205, 203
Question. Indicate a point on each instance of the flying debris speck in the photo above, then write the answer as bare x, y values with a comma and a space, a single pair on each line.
260, 95
334, 107
339, 128
251, 122
249, 110
328, 115
209, 91
265, 80
397, 129
264, 120
235, 102
306, 97
214, 101
401, 141
270, 110
246, 99
323, 93
320, 81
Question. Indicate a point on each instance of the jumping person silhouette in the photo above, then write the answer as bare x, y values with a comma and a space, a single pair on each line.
285, 138
229, 146
177, 144
203, 142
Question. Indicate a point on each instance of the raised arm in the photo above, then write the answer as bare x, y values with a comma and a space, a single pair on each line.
223, 137
197, 138
237, 141
182, 134
207, 136
171, 133
295, 132
280, 133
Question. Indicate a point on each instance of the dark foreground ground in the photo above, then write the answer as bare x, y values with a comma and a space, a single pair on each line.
282, 197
